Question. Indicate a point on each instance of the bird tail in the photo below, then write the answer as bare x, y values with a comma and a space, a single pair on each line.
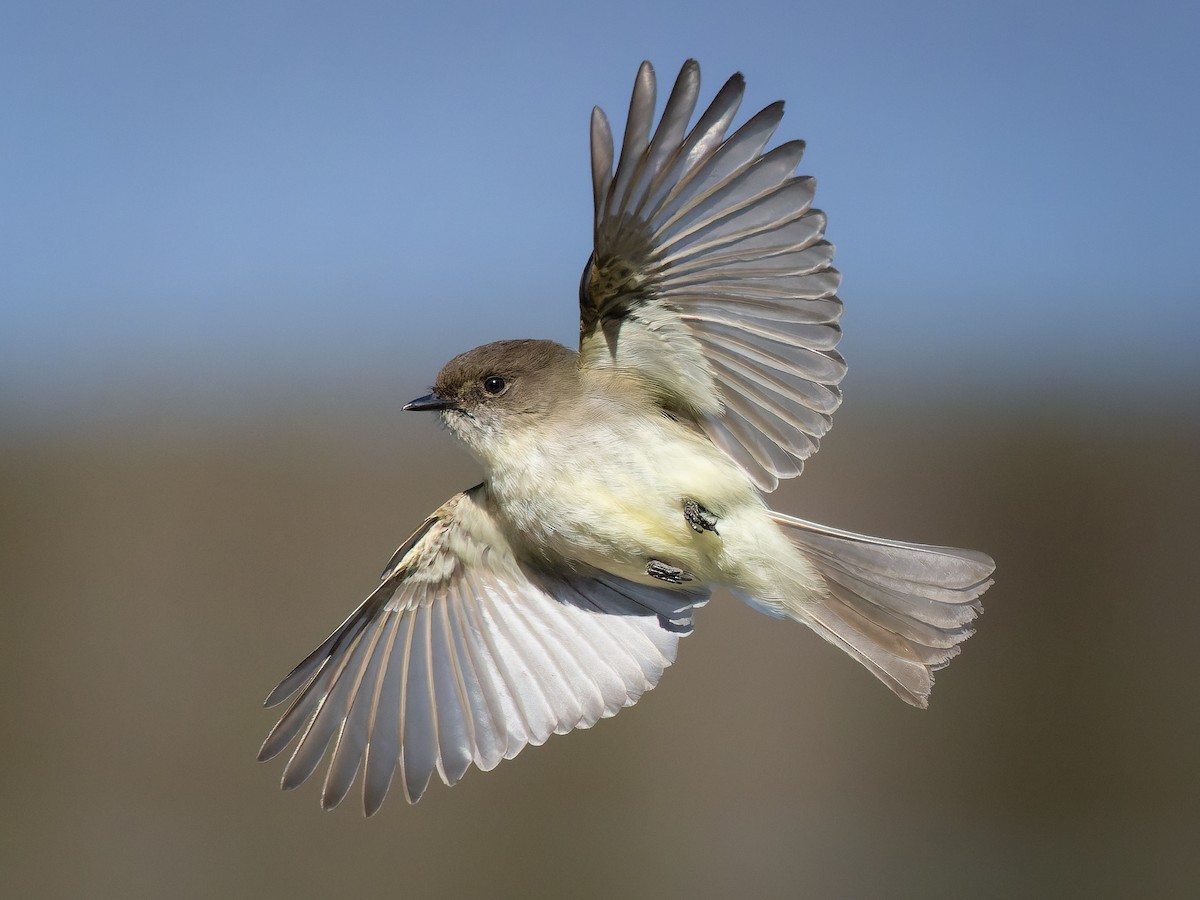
901, 610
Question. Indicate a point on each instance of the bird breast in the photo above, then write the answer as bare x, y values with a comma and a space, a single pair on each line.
608, 491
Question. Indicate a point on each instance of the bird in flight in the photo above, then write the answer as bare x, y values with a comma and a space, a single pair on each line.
624, 481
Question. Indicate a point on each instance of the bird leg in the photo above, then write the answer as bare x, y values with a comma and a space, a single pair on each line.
668, 573
698, 517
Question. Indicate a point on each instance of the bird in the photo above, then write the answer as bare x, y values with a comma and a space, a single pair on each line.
625, 481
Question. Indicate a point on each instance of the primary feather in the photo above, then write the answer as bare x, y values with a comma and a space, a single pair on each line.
466, 655
708, 254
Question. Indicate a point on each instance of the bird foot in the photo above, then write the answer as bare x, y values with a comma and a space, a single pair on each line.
664, 572
699, 518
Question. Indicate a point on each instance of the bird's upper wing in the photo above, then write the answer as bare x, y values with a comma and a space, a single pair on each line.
711, 277
463, 654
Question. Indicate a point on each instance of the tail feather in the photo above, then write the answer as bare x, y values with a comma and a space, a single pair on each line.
901, 610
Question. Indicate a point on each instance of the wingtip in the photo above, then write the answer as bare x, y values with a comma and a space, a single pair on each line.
986, 563
274, 698
272, 746
601, 134
689, 74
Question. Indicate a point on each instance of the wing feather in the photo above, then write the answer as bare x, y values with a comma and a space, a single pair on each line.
355, 727
331, 691
418, 735
464, 655
711, 185
512, 665
492, 735
591, 648
790, 262
637, 136
383, 742
578, 699
741, 218
808, 423
681, 165
629, 669
793, 235
707, 253
667, 137
506, 708
456, 732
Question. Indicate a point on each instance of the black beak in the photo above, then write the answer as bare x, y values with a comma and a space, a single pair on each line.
430, 402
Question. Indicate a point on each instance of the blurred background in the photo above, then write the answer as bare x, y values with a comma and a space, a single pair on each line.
237, 237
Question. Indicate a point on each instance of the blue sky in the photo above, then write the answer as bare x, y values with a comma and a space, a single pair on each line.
218, 197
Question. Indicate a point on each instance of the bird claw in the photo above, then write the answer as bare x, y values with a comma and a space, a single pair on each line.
699, 518
668, 573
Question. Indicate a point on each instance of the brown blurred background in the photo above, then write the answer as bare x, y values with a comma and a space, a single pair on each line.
161, 573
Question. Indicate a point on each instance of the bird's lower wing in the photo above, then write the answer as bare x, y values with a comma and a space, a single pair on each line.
464, 655
710, 275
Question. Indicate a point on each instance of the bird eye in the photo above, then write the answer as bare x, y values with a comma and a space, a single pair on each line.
494, 385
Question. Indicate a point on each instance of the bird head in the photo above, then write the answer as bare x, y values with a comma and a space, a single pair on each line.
501, 391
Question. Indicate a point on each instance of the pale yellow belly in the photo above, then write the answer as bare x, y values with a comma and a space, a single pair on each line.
615, 501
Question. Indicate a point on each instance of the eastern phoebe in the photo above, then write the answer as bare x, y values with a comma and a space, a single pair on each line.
623, 481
